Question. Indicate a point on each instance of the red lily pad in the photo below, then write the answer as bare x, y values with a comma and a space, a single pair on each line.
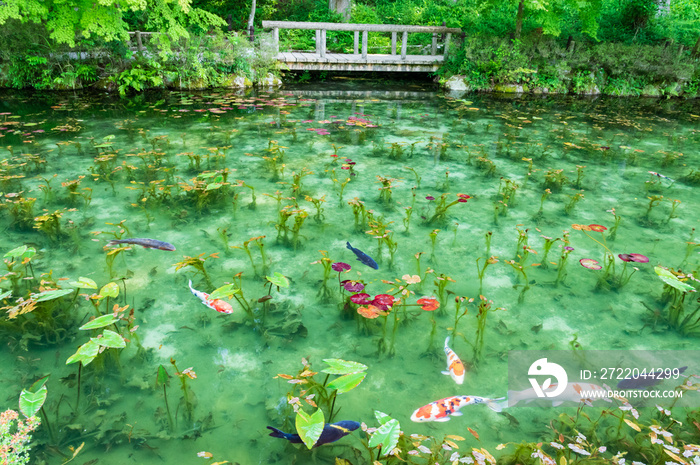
590, 264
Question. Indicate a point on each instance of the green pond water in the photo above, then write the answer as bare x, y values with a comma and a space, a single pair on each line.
209, 171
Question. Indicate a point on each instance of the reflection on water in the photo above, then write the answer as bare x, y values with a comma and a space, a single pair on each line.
246, 186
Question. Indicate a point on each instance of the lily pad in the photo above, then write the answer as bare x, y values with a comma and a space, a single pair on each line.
109, 290
110, 339
347, 382
386, 435
100, 322
224, 291
310, 427
163, 377
50, 295
84, 283
30, 402
342, 367
16, 252
85, 354
278, 279
672, 280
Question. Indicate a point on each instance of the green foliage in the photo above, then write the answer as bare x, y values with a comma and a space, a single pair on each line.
139, 77
65, 20
310, 427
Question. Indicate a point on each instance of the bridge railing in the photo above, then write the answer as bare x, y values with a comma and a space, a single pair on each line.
365, 29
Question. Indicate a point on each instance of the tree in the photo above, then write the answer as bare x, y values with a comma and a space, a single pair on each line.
549, 13
67, 19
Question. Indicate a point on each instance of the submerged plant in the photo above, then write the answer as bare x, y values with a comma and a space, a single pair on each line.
481, 271
483, 308
186, 375
323, 394
197, 263
441, 208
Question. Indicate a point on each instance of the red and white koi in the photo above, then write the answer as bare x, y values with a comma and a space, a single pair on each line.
455, 367
443, 409
215, 304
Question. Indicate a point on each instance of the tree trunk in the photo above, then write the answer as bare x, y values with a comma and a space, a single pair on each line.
696, 49
251, 18
519, 19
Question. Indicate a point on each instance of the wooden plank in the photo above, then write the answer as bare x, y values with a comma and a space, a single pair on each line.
404, 43
364, 44
358, 27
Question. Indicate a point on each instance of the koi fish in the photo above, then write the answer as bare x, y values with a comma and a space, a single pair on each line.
574, 392
215, 304
658, 175
363, 257
455, 367
145, 243
443, 409
331, 432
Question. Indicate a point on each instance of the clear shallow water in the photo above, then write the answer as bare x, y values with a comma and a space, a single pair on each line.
133, 156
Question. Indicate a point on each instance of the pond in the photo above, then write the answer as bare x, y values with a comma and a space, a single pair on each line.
487, 207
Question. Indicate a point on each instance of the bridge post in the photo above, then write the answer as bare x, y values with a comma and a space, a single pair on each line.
323, 43
393, 43
318, 41
433, 46
357, 42
447, 44
276, 40
404, 44
364, 45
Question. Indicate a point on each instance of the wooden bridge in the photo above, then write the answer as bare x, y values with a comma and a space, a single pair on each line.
361, 60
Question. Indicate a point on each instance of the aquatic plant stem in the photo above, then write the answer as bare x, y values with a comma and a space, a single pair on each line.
167, 408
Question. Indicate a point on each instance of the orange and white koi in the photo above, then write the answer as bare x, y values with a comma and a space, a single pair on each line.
455, 367
443, 409
215, 304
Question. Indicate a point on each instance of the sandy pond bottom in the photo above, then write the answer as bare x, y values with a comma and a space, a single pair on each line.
208, 172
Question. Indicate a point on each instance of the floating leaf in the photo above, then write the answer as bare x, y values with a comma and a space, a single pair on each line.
224, 291
342, 367
347, 382
86, 353
278, 279
310, 427
633, 425
672, 280
84, 283
29, 253
163, 377
5, 294
110, 339
474, 433
36, 385
109, 290
16, 252
213, 186
31, 402
50, 295
100, 322
387, 436
382, 417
